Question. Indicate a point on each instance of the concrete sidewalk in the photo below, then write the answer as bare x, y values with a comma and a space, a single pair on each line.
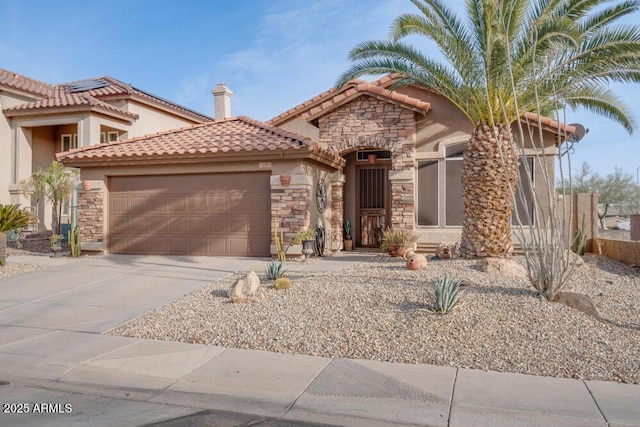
52, 352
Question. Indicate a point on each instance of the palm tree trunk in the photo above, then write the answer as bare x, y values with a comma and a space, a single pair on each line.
489, 175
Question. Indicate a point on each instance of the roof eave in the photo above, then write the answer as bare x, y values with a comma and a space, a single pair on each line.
26, 112
192, 158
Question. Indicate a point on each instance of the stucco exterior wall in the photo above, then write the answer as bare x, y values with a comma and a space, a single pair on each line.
444, 122
301, 127
7, 144
152, 120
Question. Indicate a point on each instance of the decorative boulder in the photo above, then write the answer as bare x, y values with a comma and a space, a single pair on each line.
504, 267
251, 284
236, 291
416, 262
580, 302
245, 289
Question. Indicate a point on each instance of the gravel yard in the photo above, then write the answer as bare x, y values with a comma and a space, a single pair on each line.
379, 310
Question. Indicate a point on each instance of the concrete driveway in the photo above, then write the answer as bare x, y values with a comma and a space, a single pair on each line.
96, 294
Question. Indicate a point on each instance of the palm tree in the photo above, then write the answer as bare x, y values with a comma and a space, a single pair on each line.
507, 58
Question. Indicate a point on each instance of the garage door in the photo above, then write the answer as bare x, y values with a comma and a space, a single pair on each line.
201, 214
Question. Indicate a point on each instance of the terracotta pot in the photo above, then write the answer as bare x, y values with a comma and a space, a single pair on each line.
86, 185
285, 179
396, 250
372, 159
348, 245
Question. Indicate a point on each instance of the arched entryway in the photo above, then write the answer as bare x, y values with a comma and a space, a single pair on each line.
367, 195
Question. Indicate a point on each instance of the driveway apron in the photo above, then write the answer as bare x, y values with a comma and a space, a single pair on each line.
96, 294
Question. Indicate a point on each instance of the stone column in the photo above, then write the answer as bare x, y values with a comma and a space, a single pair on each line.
290, 207
337, 210
91, 217
402, 199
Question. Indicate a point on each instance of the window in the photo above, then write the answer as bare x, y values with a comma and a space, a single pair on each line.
428, 192
526, 211
380, 154
69, 141
113, 136
108, 136
454, 206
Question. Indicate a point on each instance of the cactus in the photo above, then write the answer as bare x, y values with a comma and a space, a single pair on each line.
282, 283
274, 270
580, 241
447, 292
74, 242
278, 241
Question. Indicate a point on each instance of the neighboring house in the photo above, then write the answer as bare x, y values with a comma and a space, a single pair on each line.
40, 119
378, 157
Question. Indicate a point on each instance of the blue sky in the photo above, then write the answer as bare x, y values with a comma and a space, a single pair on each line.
273, 54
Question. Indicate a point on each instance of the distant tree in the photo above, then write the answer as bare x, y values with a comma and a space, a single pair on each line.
617, 189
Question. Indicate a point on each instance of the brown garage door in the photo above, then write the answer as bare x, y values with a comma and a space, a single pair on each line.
201, 214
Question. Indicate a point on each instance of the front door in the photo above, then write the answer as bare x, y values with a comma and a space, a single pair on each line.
373, 200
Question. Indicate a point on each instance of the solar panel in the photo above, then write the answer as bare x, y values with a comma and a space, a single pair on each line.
85, 85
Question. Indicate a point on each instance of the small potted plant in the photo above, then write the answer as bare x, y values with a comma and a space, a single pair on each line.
307, 238
397, 241
348, 241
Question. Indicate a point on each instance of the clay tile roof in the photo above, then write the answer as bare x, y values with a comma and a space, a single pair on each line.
62, 99
26, 84
547, 122
335, 97
238, 135
88, 92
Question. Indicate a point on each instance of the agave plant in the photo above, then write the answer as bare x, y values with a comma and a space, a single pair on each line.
447, 293
275, 270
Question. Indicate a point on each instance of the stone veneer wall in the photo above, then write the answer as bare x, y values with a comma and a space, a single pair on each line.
91, 215
290, 208
368, 122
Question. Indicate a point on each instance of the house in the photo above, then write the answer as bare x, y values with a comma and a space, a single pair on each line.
378, 157
40, 119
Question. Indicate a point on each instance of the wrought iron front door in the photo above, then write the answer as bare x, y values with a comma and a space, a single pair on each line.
373, 204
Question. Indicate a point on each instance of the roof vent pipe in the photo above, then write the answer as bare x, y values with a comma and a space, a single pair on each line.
222, 101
